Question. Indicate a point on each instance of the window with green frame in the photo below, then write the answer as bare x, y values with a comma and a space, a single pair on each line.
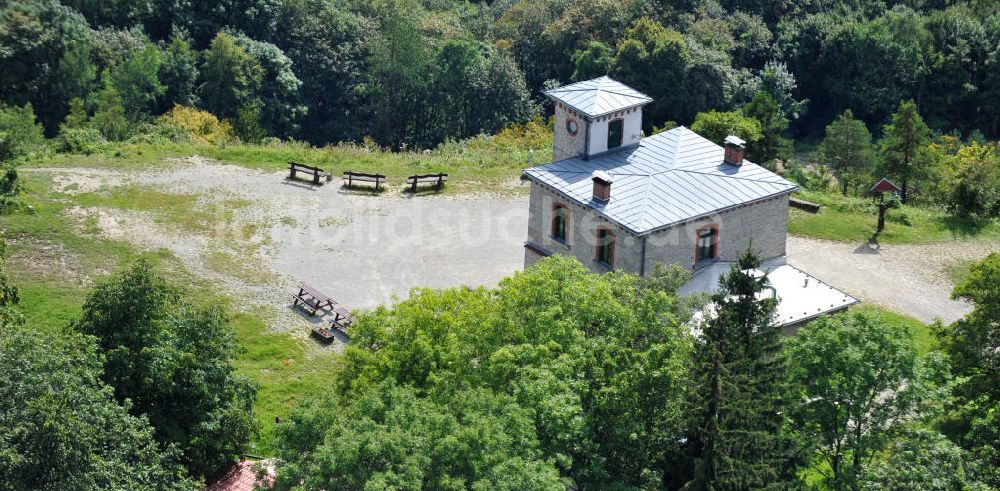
560, 223
605, 247
616, 131
708, 243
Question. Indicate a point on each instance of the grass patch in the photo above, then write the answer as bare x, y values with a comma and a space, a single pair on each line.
854, 220
483, 164
958, 271
245, 267
286, 369
334, 221
185, 212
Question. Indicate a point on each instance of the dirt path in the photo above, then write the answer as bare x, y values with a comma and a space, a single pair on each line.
909, 279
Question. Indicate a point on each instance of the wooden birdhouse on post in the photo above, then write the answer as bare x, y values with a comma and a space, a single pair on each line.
880, 188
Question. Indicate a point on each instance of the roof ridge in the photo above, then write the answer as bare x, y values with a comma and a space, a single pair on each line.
645, 201
731, 177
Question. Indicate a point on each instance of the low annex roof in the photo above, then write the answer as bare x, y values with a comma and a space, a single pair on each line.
599, 96
801, 296
667, 179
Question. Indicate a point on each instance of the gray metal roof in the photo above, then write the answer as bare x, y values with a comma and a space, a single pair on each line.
801, 296
599, 96
666, 179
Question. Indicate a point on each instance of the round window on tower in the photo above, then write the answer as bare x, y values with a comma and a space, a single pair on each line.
572, 127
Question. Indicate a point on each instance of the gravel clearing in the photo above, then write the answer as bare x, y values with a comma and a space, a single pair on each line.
362, 249
908, 279
366, 250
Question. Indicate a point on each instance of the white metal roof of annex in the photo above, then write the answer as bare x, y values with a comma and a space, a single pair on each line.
667, 179
598, 97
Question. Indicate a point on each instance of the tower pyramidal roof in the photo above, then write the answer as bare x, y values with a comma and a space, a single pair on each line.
599, 96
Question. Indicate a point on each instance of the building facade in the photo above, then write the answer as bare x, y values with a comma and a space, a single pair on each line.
616, 200
558, 225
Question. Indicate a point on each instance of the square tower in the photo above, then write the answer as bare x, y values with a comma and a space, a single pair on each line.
594, 116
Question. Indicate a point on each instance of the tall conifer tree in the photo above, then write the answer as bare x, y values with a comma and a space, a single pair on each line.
739, 396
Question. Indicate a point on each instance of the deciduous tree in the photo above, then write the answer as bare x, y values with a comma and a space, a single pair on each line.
173, 363
773, 124
847, 149
974, 346
860, 382
716, 126
62, 428
595, 60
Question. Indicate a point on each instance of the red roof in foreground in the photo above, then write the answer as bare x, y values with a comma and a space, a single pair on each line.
239, 476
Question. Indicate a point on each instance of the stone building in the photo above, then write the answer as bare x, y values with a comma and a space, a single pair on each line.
616, 200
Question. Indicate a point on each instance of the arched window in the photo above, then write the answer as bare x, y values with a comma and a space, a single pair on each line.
605, 247
560, 223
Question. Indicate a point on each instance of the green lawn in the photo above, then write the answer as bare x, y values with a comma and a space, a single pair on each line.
855, 219
287, 369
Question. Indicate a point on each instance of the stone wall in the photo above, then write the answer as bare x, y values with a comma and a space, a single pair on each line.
565, 145
765, 223
581, 240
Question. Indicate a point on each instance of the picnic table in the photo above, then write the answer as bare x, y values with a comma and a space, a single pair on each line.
340, 319
312, 299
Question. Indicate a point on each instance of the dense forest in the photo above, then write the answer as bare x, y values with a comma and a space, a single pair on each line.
416, 73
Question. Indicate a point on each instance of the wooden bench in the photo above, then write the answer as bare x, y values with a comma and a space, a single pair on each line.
437, 180
806, 206
362, 177
311, 299
315, 172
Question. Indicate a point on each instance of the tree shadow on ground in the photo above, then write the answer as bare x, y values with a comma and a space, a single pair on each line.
962, 227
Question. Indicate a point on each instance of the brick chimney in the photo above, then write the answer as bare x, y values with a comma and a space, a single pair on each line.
602, 185
735, 149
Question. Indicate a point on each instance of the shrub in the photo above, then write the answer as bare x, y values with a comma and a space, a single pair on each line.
202, 126
814, 179
900, 216
536, 134
10, 187
84, 140
162, 132
19, 133
716, 126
